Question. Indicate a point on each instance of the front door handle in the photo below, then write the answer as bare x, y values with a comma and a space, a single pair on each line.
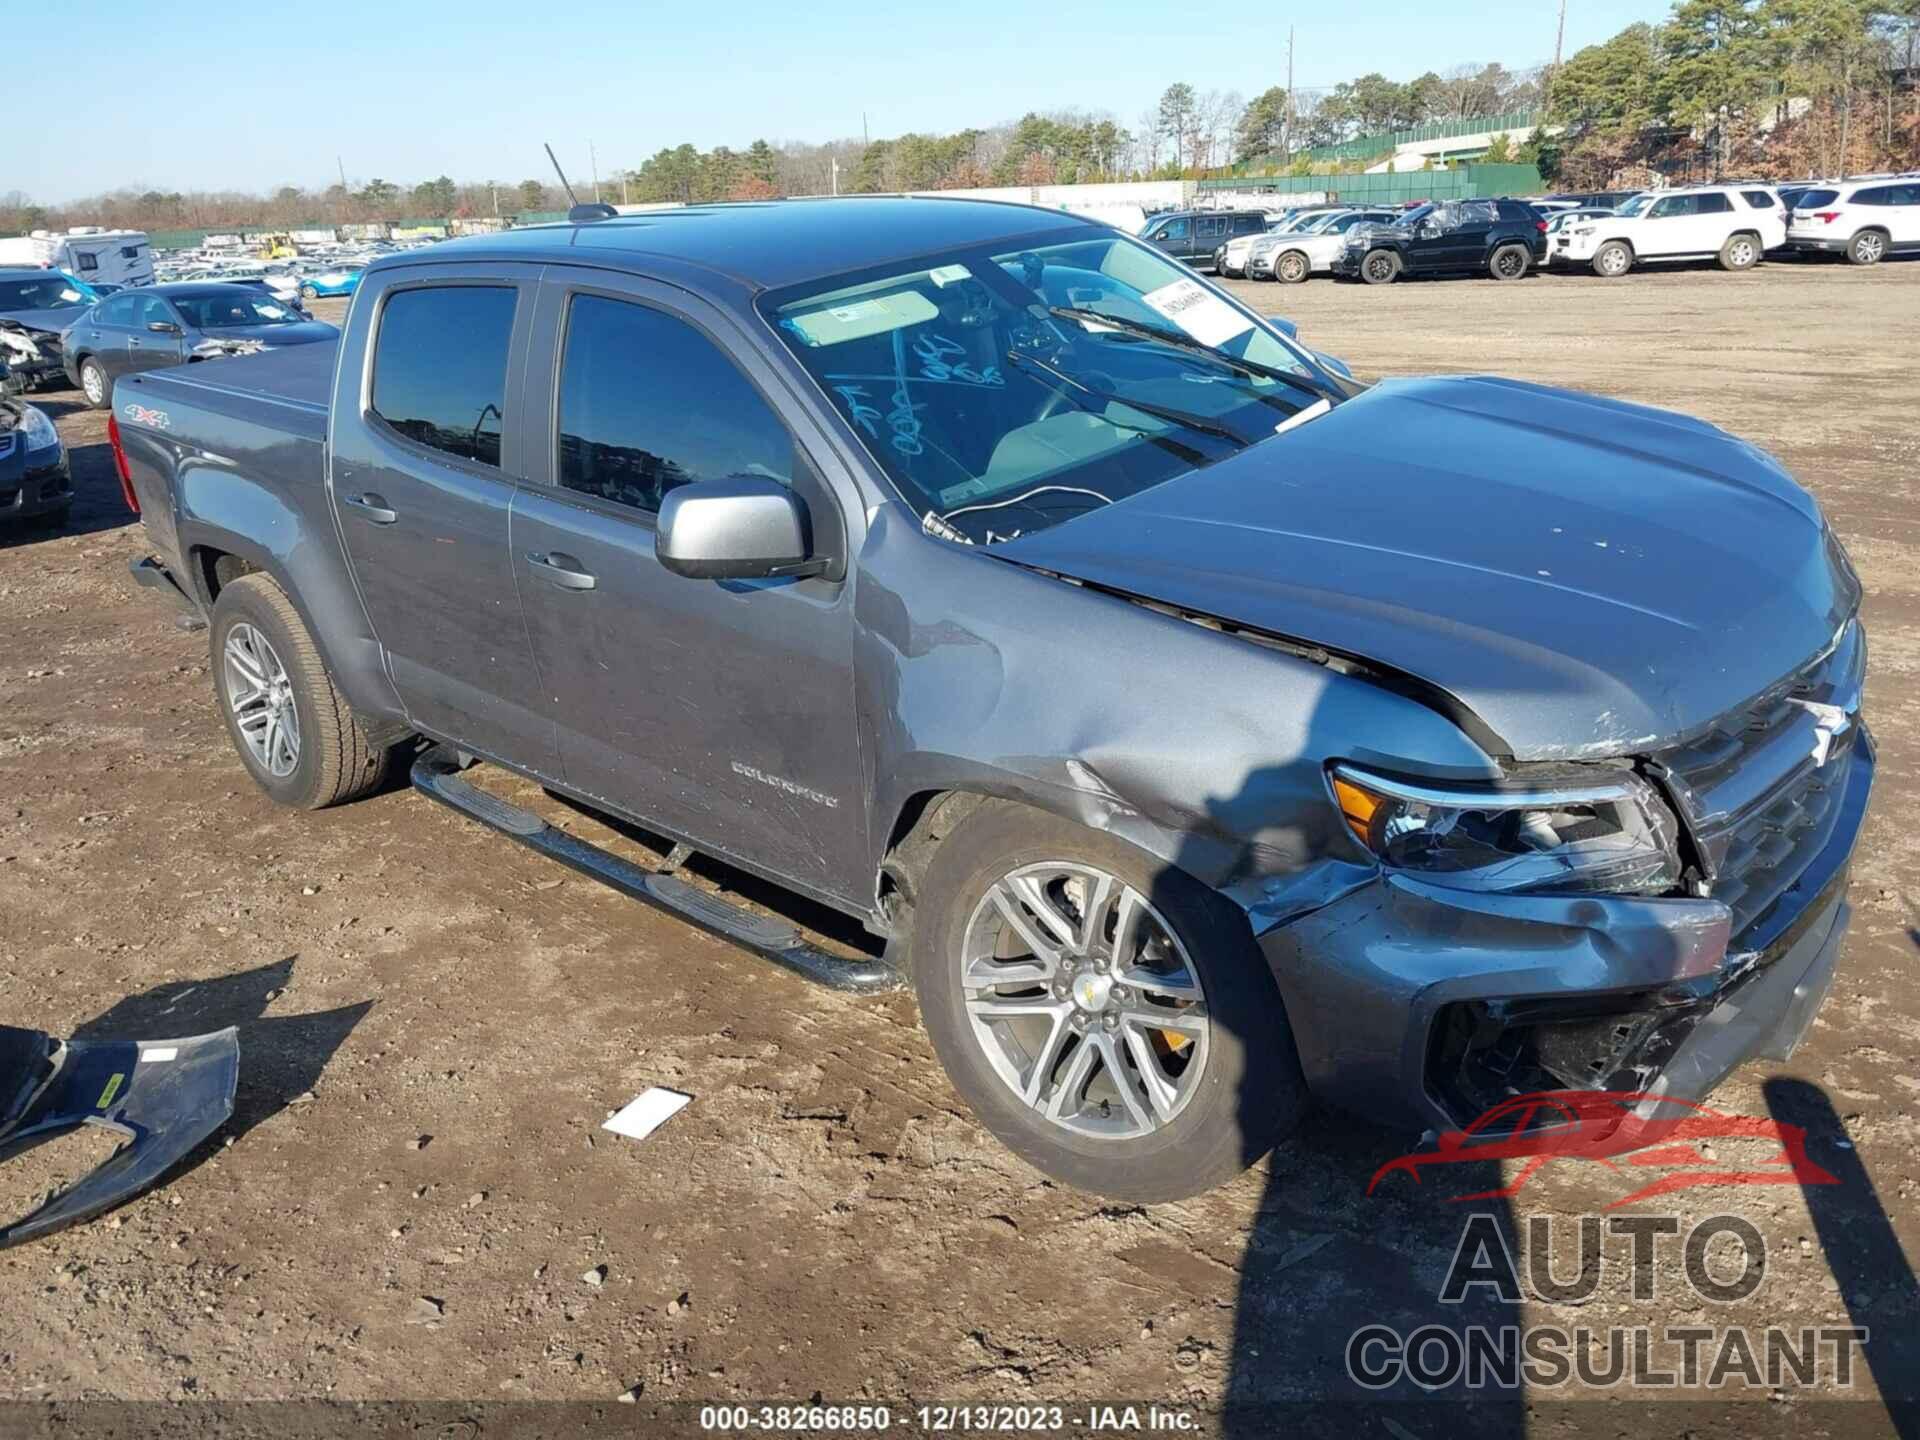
373, 507
561, 569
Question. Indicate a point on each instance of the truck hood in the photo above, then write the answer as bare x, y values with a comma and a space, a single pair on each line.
1587, 577
52, 321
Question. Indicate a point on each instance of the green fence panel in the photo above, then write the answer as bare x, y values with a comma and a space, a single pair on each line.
1464, 182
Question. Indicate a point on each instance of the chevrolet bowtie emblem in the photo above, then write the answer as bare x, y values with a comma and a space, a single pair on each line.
1830, 722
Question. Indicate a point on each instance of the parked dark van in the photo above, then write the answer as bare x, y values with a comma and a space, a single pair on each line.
1193, 235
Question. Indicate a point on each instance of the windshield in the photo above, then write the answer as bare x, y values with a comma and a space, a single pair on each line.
54, 292
214, 312
1414, 216
997, 413
1635, 205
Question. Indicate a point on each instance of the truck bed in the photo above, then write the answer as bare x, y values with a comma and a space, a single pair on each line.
285, 390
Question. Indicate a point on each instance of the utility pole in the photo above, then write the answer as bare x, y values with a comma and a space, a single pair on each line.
343, 171
1559, 41
1286, 120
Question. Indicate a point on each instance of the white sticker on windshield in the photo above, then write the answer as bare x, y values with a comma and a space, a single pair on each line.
946, 275
1199, 312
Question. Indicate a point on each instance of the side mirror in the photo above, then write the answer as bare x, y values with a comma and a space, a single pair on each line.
163, 327
741, 528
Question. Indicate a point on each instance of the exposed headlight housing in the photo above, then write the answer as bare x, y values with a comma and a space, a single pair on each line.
1613, 835
1584, 229
37, 429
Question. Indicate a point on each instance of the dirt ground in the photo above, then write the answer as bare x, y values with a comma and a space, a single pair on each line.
415, 1189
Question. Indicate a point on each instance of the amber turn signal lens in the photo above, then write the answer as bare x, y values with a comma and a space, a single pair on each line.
1358, 807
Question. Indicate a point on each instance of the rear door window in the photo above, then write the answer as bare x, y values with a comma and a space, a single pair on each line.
440, 367
117, 311
1759, 199
1248, 224
1713, 203
1874, 195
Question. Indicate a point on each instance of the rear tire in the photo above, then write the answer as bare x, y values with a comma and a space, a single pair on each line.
1869, 247
1510, 262
333, 761
1235, 1096
1292, 268
94, 384
1381, 267
1613, 259
307, 292
1741, 252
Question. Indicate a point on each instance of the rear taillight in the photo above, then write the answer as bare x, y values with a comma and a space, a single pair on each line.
1541, 226
120, 464
1826, 217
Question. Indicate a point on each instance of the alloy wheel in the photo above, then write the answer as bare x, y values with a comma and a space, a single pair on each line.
1741, 254
1083, 1000
1509, 264
93, 383
1379, 268
260, 697
1869, 248
1293, 269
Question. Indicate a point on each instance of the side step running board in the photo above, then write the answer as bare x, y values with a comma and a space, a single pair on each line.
437, 773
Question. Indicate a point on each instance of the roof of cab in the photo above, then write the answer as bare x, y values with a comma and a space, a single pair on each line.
767, 244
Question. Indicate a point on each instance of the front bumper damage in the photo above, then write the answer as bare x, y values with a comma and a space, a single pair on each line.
162, 1096
33, 357
1416, 1004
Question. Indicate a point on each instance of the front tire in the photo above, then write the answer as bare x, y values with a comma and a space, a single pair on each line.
1510, 262
94, 384
1869, 247
1106, 1016
1292, 268
307, 292
1381, 267
1741, 252
1612, 260
294, 730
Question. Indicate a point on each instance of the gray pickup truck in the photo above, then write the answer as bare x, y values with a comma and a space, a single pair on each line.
1197, 730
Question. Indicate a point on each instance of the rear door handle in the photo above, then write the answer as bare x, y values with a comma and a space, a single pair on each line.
373, 507
561, 569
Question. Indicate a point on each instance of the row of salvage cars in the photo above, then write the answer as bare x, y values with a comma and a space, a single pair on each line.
1738, 224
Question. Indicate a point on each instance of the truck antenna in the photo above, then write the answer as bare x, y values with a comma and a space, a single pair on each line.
564, 184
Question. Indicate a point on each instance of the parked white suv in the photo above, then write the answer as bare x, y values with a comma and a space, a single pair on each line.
1736, 224
1292, 255
1865, 220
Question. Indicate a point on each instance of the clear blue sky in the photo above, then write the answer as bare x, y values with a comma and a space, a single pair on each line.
211, 94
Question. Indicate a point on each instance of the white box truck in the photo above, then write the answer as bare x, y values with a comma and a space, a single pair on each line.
86, 252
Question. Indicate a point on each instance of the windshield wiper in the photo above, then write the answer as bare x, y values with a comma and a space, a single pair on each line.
1145, 407
1198, 347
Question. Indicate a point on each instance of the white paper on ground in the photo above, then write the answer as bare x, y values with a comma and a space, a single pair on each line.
647, 1113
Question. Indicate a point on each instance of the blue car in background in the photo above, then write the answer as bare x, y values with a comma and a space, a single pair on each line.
328, 284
